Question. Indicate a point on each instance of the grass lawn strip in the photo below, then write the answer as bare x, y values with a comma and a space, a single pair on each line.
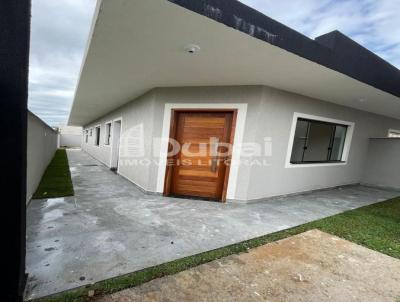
56, 181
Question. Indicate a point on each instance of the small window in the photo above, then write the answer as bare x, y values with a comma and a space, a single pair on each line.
394, 133
318, 142
91, 132
107, 137
97, 138
86, 136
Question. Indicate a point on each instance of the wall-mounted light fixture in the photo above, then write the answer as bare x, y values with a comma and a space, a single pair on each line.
192, 48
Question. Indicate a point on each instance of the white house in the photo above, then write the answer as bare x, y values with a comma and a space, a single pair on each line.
276, 112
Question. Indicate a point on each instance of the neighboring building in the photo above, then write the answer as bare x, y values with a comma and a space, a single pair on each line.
299, 112
70, 137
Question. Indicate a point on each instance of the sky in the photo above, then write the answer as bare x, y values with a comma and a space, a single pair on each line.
60, 30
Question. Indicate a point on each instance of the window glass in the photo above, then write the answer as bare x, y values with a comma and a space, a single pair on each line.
97, 139
338, 143
317, 141
299, 141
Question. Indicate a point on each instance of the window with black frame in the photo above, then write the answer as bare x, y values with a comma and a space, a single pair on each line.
97, 138
318, 142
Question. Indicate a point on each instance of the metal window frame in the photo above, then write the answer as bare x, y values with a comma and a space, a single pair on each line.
328, 160
97, 137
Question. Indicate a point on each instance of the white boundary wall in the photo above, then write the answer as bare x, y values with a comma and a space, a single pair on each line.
41, 146
70, 137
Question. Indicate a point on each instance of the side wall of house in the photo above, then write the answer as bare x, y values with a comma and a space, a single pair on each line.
136, 137
143, 117
41, 146
268, 120
276, 116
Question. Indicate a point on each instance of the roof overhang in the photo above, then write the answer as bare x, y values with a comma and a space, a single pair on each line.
138, 45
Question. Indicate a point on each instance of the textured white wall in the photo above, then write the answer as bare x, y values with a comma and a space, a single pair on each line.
383, 163
70, 137
274, 120
70, 140
41, 146
137, 115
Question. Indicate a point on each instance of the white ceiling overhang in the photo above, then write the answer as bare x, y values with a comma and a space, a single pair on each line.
138, 45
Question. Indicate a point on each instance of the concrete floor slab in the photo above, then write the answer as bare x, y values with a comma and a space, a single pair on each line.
111, 228
313, 266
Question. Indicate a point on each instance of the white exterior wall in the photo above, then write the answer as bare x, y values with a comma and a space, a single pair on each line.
138, 114
70, 137
70, 140
383, 163
269, 114
41, 146
275, 121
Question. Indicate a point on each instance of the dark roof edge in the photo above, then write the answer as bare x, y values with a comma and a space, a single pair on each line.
333, 50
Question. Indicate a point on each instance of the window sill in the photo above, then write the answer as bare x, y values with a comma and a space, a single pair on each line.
321, 164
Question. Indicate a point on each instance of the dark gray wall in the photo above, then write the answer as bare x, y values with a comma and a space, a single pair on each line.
14, 61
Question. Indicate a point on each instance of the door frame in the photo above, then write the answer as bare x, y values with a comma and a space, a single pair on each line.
173, 133
119, 119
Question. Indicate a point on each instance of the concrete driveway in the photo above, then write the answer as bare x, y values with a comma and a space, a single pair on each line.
111, 228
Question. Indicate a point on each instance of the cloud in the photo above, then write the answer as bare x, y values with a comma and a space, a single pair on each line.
373, 24
59, 33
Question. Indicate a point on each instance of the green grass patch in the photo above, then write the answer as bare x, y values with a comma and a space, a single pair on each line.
56, 181
376, 227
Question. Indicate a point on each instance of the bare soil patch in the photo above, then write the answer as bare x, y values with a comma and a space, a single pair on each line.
312, 266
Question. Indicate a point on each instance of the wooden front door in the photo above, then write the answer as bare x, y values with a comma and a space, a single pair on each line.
201, 167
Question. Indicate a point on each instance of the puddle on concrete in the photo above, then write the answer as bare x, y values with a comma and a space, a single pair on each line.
52, 215
51, 202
